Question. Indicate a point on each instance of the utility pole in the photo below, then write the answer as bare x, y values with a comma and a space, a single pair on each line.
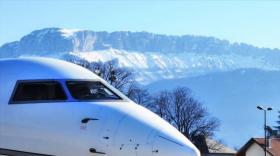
265, 109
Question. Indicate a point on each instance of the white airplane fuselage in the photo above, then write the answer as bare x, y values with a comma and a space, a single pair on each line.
74, 127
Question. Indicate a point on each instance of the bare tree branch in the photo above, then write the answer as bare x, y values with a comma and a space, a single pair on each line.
184, 112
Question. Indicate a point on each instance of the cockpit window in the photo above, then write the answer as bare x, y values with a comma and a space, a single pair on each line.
90, 90
41, 91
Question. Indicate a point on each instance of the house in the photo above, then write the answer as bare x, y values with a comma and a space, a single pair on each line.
255, 147
216, 148
211, 147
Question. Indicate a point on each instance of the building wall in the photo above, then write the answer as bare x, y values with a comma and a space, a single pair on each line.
255, 150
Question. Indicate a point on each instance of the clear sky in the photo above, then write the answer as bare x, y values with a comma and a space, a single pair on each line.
253, 22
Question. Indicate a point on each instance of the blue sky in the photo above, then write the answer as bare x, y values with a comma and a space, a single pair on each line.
253, 22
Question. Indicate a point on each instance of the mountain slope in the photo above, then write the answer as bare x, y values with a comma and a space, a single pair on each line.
152, 56
63, 40
149, 67
232, 97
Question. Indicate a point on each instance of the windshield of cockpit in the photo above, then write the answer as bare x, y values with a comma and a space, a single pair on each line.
90, 90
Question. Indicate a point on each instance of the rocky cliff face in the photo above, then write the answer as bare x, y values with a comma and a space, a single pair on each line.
56, 40
152, 56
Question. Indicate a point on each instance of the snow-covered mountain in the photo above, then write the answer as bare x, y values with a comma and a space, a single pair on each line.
153, 57
229, 78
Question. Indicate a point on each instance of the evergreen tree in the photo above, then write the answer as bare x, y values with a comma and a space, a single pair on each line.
277, 127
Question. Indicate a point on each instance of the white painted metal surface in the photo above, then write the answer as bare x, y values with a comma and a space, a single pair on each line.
123, 128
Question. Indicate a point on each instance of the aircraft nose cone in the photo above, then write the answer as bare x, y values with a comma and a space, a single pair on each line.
168, 145
170, 142
144, 133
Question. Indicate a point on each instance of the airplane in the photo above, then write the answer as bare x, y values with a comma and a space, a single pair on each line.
50, 107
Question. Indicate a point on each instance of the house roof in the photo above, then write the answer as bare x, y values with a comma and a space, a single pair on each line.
217, 147
275, 145
274, 150
211, 146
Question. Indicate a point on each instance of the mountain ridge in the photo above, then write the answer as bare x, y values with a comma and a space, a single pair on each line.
152, 56
58, 40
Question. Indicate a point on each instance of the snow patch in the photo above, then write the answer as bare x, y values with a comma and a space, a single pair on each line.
68, 32
149, 66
